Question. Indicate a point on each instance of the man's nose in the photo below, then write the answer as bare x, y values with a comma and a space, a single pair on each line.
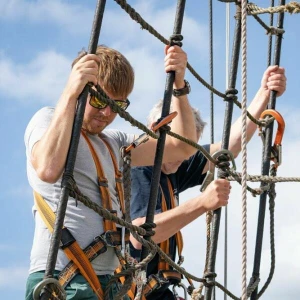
106, 111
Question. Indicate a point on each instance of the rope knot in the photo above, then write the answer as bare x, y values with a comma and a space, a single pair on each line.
148, 227
275, 31
175, 39
230, 94
209, 276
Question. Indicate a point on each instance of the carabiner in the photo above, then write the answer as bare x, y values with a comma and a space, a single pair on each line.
144, 137
276, 151
166, 120
180, 284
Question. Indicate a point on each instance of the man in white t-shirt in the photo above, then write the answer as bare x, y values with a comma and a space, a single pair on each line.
47, 140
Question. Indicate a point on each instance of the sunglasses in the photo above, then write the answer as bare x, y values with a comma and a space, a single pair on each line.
97, 103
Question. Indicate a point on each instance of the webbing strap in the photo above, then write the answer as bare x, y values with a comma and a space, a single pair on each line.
73, 250
118, 177
162, 265
103, 185
131, 291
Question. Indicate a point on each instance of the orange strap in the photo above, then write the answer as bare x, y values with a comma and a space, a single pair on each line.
103, 185
73, 251
165, 245
118, 177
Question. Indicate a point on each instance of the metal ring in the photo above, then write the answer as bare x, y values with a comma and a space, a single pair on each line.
39, 287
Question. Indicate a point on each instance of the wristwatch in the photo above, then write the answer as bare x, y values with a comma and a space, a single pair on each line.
184, 91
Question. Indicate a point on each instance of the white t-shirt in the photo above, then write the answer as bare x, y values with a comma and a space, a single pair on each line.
83, 222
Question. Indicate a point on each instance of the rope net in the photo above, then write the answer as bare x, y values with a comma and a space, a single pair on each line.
134, 271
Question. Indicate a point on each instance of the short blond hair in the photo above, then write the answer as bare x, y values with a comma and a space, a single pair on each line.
116, 74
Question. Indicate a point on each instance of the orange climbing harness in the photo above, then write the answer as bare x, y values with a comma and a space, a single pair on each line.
80, 260
165, 274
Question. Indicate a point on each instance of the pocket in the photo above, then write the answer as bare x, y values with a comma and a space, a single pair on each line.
80, 291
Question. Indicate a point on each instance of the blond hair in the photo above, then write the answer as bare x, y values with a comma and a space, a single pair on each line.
116, 75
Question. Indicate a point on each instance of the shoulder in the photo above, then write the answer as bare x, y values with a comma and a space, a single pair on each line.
39, 122
120, 137
42, 116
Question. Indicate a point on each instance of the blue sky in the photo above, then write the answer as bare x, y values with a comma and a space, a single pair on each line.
39, 39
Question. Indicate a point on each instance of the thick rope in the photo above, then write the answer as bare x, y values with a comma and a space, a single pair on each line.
272, 196
292, 8
244, 148
263, 178
144, 25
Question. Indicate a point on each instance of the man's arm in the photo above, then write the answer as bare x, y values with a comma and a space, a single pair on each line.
273, 79
173, 220
183, 124
49, 154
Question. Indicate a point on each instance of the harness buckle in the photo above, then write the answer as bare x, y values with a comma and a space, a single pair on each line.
276, 150
107, 238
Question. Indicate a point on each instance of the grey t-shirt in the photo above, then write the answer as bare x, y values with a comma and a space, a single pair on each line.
83, 222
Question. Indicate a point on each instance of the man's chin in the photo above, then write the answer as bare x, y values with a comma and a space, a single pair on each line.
94, 129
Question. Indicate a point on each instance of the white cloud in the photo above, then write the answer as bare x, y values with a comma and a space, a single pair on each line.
41, 80
76, 19
13, 277
130, 33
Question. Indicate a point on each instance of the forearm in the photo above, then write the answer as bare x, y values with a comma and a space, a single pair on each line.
184, 125
50, 152
170, 222
256, 107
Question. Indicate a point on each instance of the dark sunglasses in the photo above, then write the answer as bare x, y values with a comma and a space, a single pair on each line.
97, 103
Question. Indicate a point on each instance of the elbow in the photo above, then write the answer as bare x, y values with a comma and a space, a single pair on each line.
47, 176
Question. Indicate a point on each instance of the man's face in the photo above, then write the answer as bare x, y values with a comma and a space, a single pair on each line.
96, 120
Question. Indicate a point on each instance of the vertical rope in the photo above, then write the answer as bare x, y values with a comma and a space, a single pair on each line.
212, 121
244, 149
211, 64
227, 43
270, 41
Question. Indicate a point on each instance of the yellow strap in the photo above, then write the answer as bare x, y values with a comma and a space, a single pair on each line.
73, 251
104, 192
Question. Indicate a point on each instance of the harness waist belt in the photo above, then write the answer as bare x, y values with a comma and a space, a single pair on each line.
163, 276
97, 247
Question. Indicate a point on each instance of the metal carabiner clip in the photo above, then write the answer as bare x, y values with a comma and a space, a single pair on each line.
276, 151
180, 284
